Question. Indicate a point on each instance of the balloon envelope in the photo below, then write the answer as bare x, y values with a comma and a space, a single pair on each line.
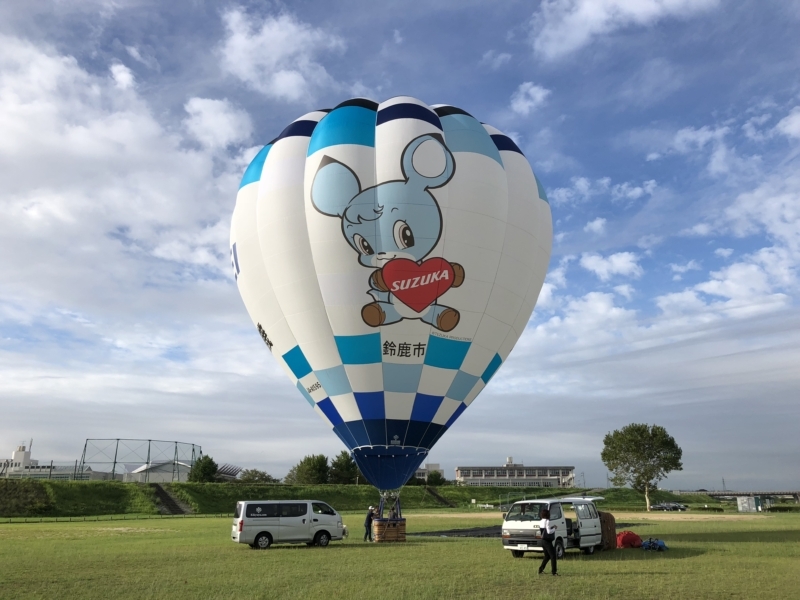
390, 256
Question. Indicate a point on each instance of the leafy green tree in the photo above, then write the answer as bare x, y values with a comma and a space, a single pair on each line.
312, 469
641, 455
256, 476
204, 470
436, 479
344, 470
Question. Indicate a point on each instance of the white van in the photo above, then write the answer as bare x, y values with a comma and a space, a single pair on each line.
521, 525
261, 523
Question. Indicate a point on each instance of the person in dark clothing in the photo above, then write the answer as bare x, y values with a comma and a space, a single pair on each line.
548, 530
368, 523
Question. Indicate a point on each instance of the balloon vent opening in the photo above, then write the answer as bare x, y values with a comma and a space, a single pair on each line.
387, 467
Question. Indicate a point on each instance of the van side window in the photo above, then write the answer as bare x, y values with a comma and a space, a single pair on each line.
294, 509
594, 512
555, 512
583, 511
321, 508
261, 510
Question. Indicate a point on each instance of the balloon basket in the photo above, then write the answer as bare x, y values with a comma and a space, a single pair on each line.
389, 530
392, 527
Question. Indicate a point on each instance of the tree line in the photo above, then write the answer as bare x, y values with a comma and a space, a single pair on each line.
311, 470
638, 455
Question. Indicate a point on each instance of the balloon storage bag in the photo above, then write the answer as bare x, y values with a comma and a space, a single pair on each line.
389, 530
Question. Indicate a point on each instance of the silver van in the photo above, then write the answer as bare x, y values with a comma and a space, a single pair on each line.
261, 523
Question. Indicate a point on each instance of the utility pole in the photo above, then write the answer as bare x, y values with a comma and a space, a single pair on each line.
723, 484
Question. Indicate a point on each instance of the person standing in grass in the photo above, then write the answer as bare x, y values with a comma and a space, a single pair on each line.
368, 523
548, 530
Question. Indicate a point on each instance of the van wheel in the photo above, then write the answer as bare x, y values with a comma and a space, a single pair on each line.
262, 541
559, 545
322, 539
589, 550
517, 553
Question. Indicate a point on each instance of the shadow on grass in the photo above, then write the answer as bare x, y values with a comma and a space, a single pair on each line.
623, 555
336, 547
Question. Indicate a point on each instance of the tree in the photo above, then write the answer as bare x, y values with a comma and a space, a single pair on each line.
344, 469
641, 455
312, 469
415, 481
435, 479
256, 476
204, 470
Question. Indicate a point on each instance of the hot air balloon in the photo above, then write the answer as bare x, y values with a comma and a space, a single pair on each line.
390, 256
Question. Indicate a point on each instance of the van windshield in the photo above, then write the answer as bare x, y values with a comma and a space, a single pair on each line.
525, 512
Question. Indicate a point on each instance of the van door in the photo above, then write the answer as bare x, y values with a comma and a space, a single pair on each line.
258, 517
295, 522
589, 523
557, 517
324, 517
598, 531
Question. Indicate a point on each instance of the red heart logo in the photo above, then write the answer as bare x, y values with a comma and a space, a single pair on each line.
418, 286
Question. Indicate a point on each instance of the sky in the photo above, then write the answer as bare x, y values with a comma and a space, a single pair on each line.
666, 133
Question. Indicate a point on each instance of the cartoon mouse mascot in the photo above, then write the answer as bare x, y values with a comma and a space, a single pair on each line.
393, 226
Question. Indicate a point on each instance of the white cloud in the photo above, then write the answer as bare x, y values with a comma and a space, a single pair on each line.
700, 230
646, 242
556, 279
397, 37
118, 187
679, 270
494, 60
620, 263
598, 226
216, 123
564, 26
790, 124
692, 265
710, 141
280, 57
723, 252
146, 59
122, 76
584, 189
772, 207
625, 290
528, 98
750, 128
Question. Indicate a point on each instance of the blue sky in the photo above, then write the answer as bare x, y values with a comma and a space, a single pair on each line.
666, 133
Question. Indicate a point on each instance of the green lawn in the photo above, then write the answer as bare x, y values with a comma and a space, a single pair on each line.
194, 558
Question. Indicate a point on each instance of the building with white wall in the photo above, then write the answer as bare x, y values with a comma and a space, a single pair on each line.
513, 474
423, 472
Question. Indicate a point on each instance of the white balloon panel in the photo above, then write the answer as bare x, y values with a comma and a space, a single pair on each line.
391, 255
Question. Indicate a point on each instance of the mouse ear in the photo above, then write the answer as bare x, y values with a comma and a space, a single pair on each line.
410, 172
334, 186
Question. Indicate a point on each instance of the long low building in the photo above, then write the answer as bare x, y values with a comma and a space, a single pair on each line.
513, 474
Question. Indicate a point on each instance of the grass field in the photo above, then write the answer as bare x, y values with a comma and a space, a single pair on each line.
710, 556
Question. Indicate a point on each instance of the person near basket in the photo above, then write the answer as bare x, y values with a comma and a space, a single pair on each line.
368, 523
548, 529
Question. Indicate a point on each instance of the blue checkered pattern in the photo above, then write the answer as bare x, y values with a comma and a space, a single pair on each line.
429, 416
